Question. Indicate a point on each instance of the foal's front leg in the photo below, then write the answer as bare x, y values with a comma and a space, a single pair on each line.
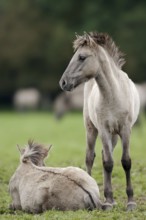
107, 167
91, 135
126, 163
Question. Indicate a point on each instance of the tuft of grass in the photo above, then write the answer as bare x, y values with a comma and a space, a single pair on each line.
68, 139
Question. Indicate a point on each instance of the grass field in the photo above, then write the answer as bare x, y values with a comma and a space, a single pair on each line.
68, 139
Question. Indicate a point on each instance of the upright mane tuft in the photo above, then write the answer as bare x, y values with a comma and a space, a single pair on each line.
103, 40
35, 152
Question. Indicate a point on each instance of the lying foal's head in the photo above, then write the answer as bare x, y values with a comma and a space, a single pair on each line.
34, 152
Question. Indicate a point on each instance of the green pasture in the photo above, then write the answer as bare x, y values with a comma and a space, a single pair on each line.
68, 139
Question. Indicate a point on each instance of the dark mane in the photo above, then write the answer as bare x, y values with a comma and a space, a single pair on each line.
103, 40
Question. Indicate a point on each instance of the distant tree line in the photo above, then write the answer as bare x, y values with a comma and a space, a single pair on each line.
36, 38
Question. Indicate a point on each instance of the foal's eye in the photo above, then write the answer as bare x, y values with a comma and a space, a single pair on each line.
82, 57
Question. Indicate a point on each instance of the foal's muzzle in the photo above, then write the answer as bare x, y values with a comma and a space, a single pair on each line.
65, 85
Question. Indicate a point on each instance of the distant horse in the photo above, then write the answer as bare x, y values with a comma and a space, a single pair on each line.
35, 188
26, 99
111, 103
67, 101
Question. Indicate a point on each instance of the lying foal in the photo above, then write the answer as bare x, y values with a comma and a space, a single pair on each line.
35, 188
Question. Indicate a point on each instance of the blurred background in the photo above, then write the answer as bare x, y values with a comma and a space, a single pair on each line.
36, 43
35, 47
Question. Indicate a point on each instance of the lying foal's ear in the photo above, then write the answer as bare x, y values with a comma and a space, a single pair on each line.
46, 150
49, 148
21, 150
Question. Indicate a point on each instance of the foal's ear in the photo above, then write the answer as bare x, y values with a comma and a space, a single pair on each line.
47, 150
89, 40
21, 150
86, 36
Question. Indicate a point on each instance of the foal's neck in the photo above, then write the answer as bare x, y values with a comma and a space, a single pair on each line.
107, 77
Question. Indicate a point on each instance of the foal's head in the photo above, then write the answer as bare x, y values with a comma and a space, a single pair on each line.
34, 152
85, 63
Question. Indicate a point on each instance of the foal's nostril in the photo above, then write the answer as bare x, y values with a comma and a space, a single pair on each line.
64, 83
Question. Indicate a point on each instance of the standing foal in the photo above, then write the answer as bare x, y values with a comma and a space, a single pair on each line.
111, 103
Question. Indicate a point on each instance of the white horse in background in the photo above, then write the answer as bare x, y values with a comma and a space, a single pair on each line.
111, 103
27, 99
141, 88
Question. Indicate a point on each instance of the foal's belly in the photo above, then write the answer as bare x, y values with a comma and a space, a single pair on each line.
109, 120
112, 114
105, 121
107, 117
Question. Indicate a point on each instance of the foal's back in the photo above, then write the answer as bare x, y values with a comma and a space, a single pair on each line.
67, 188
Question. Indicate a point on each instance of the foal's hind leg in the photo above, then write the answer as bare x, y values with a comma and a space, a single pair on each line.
126, 163
91, 135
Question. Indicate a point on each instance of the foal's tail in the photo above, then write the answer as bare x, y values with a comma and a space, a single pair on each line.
92, 199
88, 185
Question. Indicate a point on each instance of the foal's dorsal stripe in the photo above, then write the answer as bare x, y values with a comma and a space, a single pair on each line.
75, 182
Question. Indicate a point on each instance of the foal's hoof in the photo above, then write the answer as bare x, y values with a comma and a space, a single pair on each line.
107, 206
131, 206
